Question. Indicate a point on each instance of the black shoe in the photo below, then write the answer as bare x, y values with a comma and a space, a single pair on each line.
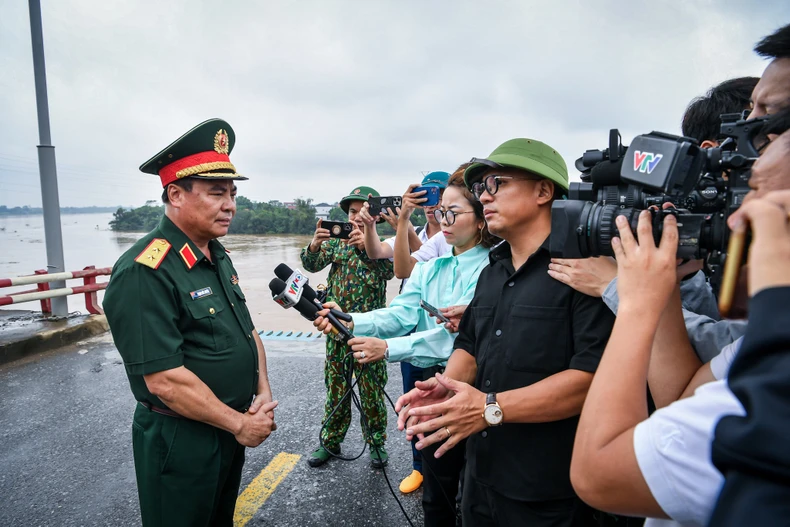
322, 455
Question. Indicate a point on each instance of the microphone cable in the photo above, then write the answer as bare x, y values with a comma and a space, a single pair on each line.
348, 374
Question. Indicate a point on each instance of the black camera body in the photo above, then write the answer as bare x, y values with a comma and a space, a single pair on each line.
379, 204
705, 186
338, 229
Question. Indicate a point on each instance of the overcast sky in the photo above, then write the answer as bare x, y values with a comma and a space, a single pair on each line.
327, 95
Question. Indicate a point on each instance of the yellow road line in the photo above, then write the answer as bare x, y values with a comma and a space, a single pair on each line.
259, 490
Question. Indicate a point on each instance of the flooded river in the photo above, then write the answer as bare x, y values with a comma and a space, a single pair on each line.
88, 240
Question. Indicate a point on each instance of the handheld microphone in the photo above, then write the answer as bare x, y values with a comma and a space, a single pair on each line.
306, 308
288, 275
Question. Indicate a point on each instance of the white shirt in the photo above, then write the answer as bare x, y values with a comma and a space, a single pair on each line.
673, 448
432, 247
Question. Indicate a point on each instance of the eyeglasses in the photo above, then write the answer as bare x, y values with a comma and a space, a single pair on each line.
490, 184
448, 215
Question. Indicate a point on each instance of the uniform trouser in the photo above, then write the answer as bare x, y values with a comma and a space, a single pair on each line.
485, 507
440, 484
412, 374
188, 473
371, 397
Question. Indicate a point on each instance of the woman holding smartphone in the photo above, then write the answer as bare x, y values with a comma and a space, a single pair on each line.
383, 334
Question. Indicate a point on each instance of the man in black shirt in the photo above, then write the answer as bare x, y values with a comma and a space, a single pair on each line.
525, 355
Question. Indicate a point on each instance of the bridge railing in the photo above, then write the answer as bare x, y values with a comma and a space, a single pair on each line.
43, 293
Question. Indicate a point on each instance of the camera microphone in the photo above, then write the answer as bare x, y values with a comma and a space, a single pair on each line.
306, 308
286, 274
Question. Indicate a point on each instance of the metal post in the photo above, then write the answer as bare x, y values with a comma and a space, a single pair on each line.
46, 162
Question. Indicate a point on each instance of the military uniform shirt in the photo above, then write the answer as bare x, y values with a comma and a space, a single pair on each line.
183, 315
356, 283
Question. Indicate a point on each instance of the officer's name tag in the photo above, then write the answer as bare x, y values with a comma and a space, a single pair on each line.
200, 293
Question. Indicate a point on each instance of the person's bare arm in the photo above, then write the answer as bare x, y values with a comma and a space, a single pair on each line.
604, 469
184, 393
374, 247
402, 259
673, 362
414, 241
557, 397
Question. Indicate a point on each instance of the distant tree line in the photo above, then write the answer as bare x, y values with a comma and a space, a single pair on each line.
251, 218
30, 211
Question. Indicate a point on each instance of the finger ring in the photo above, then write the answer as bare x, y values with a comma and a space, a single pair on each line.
448, 432
361, 354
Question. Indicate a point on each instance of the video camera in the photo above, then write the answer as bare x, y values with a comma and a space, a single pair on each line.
705, 185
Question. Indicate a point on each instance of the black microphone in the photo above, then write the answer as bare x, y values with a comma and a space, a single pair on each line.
284, 273
308, 309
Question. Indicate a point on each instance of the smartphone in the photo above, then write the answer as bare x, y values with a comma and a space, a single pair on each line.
433, 311
431, 195
380, 204
338, 229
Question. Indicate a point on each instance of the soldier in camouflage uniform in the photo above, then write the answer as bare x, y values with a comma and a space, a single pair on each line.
357, 284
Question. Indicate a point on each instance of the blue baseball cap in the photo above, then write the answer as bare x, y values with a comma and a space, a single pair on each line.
436, 179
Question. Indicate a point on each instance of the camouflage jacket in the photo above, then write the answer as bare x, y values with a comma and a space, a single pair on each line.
356, 283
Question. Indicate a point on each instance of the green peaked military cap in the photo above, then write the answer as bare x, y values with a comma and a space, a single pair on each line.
358, 194
526, 154
202, 153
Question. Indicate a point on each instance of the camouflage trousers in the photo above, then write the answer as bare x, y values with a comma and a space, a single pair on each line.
371, 398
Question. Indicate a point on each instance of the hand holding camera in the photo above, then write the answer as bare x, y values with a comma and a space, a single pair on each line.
367, 216
356, 238
412, 200
321, 235
646, 272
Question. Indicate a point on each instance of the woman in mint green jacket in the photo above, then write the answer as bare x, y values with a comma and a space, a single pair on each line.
386, 334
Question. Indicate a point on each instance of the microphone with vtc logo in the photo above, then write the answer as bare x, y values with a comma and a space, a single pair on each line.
288, 296
298, 279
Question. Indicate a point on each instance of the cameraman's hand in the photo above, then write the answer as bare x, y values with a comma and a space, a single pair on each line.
646, 273
357, 238
364, 215
256, 427
392, 217
689, 268
412, 201
589, 276
769, 253
320, 236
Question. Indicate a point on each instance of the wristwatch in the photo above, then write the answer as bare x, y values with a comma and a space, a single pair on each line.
492, 413
387, 354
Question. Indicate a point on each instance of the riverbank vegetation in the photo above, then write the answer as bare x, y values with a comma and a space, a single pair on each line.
252, 217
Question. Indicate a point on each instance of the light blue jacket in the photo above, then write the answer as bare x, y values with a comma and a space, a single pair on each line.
442, 282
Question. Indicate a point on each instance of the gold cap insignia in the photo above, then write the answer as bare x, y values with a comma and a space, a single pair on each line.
221, 142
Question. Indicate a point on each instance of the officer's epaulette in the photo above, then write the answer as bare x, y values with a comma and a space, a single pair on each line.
153, 255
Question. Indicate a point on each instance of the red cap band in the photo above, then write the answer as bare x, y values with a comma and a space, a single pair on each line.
193, 165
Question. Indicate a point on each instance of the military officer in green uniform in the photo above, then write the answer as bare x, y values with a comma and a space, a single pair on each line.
357, 284
195, 363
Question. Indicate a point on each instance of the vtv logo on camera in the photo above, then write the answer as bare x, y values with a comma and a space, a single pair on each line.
646, 162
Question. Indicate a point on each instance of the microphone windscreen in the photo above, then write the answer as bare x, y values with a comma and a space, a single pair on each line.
283, 272
276, 286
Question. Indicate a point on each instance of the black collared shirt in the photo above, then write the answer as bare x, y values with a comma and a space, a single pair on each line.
523, 326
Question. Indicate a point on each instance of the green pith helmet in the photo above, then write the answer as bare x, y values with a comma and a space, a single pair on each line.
525, 154
358, 194
202, 153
